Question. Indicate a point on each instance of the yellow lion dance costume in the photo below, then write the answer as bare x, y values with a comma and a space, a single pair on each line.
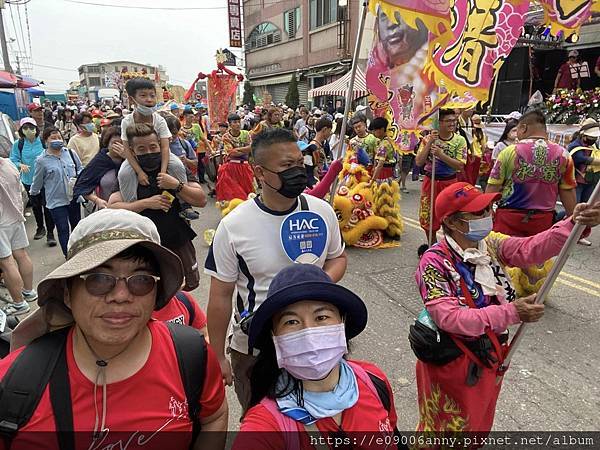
359, 224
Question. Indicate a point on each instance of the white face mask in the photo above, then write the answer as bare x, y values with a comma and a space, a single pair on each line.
311, 353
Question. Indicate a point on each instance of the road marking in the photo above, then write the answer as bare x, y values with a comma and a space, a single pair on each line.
592, 292
580, 279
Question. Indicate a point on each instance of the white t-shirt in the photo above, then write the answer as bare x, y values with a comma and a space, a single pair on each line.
247, 250
158, 122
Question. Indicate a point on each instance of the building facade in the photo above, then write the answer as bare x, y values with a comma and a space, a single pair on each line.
105, 74
312, 40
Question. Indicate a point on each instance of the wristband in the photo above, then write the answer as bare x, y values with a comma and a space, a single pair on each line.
179, 187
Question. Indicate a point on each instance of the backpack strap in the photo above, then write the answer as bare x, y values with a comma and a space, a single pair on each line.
190, 348
183, 298
21, 144
374, 383
60, 398
286, 425
303, 203
24, 384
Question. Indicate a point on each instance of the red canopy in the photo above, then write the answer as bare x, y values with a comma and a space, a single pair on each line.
10, 80
7, 80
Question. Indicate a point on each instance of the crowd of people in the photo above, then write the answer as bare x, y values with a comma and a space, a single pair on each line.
136, 176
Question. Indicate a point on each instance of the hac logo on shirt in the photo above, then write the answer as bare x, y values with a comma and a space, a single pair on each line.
303, 224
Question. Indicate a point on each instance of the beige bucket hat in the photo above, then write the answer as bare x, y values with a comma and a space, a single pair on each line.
96, 239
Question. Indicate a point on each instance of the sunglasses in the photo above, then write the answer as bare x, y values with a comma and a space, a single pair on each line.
102, 283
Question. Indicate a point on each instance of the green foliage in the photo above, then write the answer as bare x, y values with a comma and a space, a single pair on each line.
292, 99
248, 95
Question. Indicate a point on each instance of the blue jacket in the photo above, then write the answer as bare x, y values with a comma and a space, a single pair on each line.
31, 150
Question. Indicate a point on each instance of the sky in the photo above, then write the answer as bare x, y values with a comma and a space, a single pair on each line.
65, 35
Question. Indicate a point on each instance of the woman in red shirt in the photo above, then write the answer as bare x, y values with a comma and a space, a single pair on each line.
302, 381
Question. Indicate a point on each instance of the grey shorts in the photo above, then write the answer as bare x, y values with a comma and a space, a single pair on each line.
12, 237
407, 162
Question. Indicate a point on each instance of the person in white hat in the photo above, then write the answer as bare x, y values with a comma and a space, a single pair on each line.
117, 371
23, 155
586, 157
564, 77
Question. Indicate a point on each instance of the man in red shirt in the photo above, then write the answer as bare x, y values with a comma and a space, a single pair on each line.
564, 80
121, 369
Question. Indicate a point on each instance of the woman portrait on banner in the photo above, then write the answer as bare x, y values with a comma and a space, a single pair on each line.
460, 338
395, 67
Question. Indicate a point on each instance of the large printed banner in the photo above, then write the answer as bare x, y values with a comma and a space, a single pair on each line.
464, 58
567, 15
484, 34
399, 87
429, 52
221, 90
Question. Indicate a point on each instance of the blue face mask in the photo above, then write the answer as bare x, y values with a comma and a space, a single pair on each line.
57, 144
479, 228
89, 127
145, 110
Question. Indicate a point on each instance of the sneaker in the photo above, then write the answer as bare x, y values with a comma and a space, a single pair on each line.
51, 241
30, 296
14, 309
27, 214
584, 242
405, 191
40, 233
190, 214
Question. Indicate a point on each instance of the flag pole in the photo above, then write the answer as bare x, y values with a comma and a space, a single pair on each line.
431, 201
561, 259
350, 91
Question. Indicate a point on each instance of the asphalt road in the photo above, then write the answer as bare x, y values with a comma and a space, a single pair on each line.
554, 380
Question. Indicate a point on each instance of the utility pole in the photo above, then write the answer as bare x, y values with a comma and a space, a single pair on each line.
18, 65
5, 56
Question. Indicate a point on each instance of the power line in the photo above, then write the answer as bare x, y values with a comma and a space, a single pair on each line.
165, 8
28, 29
21, 29
55, 67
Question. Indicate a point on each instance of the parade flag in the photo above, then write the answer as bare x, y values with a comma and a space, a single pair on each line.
567, 15
435, 15
484, 34
399, 89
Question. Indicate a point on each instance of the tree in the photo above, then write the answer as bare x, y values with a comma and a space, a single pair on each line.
292, 99
248, 95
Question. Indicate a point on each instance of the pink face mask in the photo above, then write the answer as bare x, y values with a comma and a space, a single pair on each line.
311, 353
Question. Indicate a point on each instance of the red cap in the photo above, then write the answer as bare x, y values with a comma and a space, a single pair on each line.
462, 197
33, 107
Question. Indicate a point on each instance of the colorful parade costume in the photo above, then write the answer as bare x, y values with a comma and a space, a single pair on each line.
386, 191
531, 174
461, 395
455, 147
366, 212
235, 178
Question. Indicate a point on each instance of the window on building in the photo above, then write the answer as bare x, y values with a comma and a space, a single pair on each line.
116, 68
322, 12
94, 81
93, 69
264, 34
135, 69
291, 22
152, 70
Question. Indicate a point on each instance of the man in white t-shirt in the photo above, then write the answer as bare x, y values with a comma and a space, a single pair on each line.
300, 126
251, 246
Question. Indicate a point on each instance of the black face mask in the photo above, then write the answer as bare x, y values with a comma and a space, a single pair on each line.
293, 181
150, 162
